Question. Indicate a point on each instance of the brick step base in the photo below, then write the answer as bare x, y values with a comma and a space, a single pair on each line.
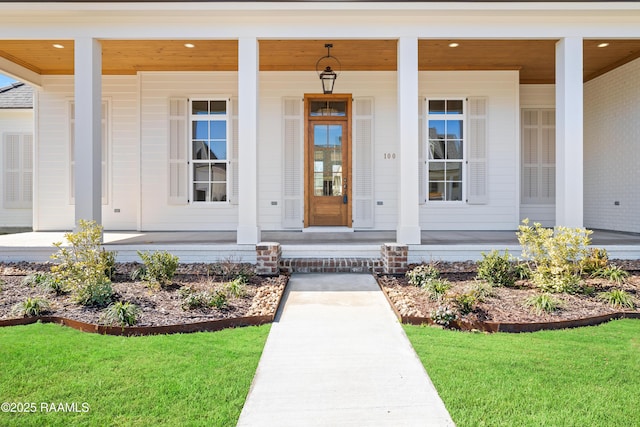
331, 265
393, 260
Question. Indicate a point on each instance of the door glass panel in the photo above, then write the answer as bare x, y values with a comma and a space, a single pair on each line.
328, 108
327, 160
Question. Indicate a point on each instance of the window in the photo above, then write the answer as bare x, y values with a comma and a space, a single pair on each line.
538, 156
446, 156
18, 170
209, 144
105, 151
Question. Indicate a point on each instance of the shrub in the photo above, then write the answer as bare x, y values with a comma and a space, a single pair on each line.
82, 266
97, 294
45, 281
482, 290
542, 303
231, 268
557, 255
158, 270
436, 289
612, 273
443, 315
217, 299
31, 307
499, 270
236, 288
617, 298
466, 302
109, 258
422, 274
121, 314
192, 299
596, 259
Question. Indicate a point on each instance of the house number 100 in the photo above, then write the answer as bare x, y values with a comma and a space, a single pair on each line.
389, 156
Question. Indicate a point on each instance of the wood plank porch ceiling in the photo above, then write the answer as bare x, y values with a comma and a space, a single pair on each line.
534, 58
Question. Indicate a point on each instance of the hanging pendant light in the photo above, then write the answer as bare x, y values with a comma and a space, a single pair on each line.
328, 76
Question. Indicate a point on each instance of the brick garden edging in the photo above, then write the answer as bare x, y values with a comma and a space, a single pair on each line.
512, 327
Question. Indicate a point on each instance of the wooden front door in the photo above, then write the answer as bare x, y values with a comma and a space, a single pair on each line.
328, 160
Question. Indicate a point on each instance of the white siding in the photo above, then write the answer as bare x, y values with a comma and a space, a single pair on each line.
55, 211
14, 121
538, 96
501, 90
611, 150
157, 214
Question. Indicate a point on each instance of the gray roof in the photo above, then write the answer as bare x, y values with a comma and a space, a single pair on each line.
17, 95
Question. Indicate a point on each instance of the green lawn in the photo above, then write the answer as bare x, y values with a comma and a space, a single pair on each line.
190, 379
578, 377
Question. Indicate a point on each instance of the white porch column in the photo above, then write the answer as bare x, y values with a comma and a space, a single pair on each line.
248, 230
88, 129
569, 132
408, 231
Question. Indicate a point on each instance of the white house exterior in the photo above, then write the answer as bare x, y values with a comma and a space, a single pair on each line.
16, 156
414, 138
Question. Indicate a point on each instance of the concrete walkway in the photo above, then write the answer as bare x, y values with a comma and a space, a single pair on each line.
337, 356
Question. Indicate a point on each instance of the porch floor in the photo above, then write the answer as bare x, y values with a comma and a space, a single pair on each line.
206, 246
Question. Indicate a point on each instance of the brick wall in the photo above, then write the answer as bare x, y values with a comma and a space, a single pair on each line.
268, 259
394, 258
612, 150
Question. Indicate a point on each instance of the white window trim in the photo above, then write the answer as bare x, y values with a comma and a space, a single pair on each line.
106, 146
446, 203
228, 118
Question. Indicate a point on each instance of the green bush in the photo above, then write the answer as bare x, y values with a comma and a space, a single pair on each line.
422, 274
612, 273
499, 270
158, 269
217, 299
482, 290
617, 298
436, 289
466, 302
557, 255
231, 268
98, 294
31, 307
596, 259
45, 281
443, 315
82, 266
192, 299
542, 303
120, 314
236, 288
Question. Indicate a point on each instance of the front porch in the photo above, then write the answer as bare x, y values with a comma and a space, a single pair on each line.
211, 246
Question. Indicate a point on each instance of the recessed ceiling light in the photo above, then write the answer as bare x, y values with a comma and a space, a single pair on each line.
58, 46
603, 44
189, 45
454, 44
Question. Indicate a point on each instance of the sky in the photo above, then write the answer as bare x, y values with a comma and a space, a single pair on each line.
5, 81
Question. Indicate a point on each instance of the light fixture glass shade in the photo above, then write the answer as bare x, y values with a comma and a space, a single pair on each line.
328, 78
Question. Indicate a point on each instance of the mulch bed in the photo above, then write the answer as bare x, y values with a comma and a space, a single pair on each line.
506, 305
161, 307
